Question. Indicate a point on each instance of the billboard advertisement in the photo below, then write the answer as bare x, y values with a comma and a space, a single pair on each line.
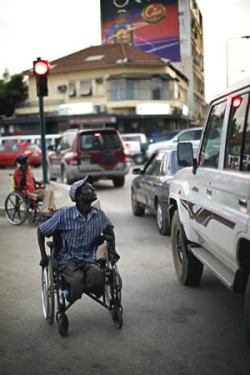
151, 25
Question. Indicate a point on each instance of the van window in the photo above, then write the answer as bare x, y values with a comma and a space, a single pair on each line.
210, 149
99, 141
236, 136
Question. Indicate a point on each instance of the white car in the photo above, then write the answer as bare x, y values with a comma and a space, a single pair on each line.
191, 135
209, 200
133, 146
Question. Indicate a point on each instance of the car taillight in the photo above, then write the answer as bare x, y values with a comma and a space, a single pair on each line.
123, 157
72, 158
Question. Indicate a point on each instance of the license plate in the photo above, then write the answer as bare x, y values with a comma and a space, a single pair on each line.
85, 161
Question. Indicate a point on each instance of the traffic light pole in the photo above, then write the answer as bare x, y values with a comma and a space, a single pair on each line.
43, 141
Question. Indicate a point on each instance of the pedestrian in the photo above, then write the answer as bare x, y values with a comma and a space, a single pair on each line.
35, 190
82, 252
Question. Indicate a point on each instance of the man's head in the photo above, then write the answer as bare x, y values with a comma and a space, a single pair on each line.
82, 192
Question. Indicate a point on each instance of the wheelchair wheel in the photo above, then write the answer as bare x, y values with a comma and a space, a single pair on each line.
63, 323
115, 303
116, 313
48, 293
16, 208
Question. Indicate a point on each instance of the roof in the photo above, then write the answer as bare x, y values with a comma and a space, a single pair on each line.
103, 56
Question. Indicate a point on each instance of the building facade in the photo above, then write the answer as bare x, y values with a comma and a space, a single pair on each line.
108, 85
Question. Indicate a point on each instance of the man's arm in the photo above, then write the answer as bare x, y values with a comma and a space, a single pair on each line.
109, 236
41, 243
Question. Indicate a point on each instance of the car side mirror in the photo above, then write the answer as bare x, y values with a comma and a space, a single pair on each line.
137, 171
185, 154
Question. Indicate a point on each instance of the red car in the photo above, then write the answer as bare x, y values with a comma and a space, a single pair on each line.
9, 152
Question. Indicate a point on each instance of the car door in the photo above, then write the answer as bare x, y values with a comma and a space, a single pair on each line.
150, 180
231, 186
56, 157
201, 198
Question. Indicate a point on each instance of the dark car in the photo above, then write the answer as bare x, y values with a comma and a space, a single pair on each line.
150, 188
99, 152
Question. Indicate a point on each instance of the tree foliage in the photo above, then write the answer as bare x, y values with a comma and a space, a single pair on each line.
12, 93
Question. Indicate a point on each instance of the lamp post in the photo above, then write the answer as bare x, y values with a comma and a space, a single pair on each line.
227, 55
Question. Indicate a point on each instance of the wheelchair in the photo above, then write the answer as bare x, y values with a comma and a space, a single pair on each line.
19, 207
54, 292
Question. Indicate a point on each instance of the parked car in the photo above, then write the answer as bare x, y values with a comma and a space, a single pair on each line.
210, 199
163, 136
150, 188
135, 146
191, 134
9, 152
99, 152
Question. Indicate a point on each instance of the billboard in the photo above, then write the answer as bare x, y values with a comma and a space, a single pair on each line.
151, 25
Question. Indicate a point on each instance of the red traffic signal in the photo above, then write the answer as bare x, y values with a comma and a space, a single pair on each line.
41, 67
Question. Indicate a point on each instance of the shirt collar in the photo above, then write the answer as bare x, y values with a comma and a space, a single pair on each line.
77, 213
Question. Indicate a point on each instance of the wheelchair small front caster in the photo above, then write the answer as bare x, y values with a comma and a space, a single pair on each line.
63, 324
116, 313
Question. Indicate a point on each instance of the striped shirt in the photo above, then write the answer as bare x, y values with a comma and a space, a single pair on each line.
77, 232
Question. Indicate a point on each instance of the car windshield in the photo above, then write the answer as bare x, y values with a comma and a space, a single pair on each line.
131, 138
99, 141
33, 147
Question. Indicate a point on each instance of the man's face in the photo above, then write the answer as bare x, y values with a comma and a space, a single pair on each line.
86, 194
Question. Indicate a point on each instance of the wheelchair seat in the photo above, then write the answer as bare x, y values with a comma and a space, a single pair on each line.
55, 289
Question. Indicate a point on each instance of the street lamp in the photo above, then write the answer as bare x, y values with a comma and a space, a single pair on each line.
227, 58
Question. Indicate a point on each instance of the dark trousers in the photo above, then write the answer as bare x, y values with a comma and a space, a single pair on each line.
83, 277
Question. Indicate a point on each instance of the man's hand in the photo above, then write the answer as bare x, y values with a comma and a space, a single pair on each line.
44, 261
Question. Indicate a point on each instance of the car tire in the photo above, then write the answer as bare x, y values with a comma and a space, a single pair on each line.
119, 181
162, 221
137, 208
188, 268
64, 177
247, 310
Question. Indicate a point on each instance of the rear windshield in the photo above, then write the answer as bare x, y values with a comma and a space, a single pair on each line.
99, 141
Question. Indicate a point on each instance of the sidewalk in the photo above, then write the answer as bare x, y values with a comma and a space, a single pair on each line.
62, 198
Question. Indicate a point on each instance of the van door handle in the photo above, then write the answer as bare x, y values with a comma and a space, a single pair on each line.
243, 202
195, 189
209, 191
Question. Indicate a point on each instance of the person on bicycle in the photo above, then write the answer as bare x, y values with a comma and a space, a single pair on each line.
25, 182
82, 251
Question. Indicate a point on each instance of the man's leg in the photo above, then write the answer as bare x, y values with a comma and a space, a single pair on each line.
74, 278
94, 279
47, 197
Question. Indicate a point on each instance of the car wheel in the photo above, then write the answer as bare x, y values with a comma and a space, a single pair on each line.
64, 177
247, 310
137, 208
188, 268
162, 219
119, 181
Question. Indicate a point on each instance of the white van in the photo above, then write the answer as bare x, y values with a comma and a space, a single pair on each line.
51, 139
210, 198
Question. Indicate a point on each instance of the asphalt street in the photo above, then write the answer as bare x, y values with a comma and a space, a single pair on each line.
168, 328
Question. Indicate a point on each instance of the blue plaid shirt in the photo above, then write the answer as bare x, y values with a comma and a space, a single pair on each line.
77, 232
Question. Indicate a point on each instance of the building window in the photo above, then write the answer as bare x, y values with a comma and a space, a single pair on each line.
130, 89
85, 88
72, 88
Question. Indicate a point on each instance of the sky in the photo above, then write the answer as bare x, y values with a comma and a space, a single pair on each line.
51, 29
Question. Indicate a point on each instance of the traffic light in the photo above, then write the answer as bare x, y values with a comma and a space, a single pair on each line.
41, 70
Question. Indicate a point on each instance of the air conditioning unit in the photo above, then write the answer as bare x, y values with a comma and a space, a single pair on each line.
62, 88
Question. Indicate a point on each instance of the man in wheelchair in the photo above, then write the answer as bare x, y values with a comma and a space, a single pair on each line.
25, 182
83, 248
